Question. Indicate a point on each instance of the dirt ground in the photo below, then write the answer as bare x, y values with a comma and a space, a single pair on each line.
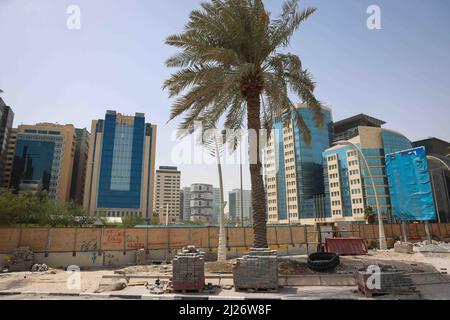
57, 280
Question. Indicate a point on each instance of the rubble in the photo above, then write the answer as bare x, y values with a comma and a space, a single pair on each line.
22, 260
436, 246
403, 247
39, 267
257, 270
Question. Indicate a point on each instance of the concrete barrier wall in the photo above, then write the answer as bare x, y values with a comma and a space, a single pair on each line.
63, 240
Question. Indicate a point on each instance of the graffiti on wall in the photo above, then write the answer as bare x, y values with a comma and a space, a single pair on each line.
133, 242
114, 236
88, 245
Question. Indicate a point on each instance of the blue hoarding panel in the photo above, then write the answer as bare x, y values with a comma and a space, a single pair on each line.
410, 185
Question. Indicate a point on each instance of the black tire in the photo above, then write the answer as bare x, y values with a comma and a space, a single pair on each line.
323, 261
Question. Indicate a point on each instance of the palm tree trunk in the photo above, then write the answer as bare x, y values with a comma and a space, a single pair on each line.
222, 249
257, 182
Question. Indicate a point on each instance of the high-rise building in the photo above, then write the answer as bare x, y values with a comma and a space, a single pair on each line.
43, 160
349, 189
185, 203
202, 203
121, 165
7, 174
167, 194
234, 205
439, 174
216, 205
6, 122
79, 165
294, 169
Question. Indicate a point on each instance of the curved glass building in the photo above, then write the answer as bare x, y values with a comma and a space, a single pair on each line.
351, 184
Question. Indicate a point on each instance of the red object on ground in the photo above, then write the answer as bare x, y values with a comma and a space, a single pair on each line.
346, 246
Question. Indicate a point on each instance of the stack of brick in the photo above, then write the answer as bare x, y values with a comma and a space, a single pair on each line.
390, 282
188, 270
257, 271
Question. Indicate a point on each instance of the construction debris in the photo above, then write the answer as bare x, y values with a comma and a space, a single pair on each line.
403, 247
112, 285
188, 270
256, 271
159, 287
22, 260
39, 267
436, 246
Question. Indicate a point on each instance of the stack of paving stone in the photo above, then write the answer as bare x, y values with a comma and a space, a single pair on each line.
390, 282
188, 270
258, 270
22, 260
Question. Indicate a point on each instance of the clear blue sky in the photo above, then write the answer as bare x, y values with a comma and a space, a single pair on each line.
400, 73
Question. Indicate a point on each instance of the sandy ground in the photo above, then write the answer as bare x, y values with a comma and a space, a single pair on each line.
57, 280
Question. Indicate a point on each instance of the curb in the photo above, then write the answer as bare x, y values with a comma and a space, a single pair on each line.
129, 296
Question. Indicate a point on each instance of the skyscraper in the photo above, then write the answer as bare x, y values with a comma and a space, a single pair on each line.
294, 169
6, 122
79, 165
121, 165
43, 159
234, 205
348, 184
167, 194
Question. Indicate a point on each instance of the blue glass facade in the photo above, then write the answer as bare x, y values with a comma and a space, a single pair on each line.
309, 178
121, 163
33, 161
281, 172
309, 161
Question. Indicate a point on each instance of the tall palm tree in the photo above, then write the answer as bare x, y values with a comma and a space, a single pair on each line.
213, 142
231, 66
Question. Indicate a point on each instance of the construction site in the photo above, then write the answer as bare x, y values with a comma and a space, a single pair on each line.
164, 263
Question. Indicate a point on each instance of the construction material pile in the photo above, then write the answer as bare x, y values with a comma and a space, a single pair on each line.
438, 247
387, 280
39, 267
22, 260
188, 270
256, 271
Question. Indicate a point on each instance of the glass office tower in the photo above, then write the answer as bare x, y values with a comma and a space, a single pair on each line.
121, 165
43, 160
294, 170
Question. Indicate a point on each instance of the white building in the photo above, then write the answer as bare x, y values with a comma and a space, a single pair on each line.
167, 194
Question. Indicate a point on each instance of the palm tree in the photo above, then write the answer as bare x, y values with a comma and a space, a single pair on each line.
214, 142
232, 67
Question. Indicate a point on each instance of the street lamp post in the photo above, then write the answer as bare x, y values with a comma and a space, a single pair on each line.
382, 236
434, 188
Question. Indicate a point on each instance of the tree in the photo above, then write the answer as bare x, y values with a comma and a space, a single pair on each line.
214, 142
369, 215
232, 67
